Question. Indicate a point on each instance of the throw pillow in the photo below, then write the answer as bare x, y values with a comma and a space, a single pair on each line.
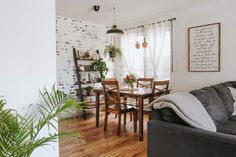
233, 92
226, 96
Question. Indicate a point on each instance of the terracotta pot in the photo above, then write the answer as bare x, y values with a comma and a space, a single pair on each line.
144, 43
137, 45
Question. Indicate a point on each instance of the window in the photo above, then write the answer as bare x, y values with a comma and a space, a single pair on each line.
151, 61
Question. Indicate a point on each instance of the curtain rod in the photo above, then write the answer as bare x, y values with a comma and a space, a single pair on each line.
172, 19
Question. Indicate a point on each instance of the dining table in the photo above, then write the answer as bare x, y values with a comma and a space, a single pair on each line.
138, 93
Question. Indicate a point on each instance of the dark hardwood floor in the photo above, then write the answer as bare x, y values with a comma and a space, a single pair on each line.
100, 143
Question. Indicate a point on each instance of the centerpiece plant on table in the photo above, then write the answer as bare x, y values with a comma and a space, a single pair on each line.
130, 79
20, 134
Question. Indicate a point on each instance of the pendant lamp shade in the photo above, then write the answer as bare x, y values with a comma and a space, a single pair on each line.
114, 30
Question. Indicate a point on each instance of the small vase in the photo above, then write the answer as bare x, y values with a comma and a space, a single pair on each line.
131, 86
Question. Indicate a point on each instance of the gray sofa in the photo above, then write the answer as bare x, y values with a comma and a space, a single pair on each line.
170, 136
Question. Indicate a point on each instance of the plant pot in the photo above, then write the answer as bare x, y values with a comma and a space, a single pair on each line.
144, 44
137, 45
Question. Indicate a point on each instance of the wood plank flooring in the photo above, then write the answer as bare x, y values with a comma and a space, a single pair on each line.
100, 143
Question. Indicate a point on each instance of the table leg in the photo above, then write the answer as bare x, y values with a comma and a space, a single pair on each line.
140, 117
97, 94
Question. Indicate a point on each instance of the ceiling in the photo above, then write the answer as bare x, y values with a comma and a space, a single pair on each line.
126, 10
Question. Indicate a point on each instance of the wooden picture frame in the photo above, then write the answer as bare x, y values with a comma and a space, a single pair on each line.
204, 48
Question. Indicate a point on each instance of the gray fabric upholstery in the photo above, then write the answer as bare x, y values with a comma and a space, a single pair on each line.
169, 115
212, 103
173, 140
233, 83
228, 127
168, 137
232, 118
226, 96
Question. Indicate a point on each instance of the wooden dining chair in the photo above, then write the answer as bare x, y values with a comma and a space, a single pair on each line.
113, 104
144, 83
160, 88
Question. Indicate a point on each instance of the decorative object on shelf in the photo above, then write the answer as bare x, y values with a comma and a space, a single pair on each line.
97, 52
101, 67
114, 30
88, 90
96, 56
21, 135
112, 52
204, 48
87, 55
137, 45
130, 80
144, 44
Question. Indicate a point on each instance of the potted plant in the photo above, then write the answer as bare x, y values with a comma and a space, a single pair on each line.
112, 52
101, 67
130, 80
20, 134
88, 90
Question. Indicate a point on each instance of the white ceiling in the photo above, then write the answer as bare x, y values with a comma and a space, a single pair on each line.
126, 10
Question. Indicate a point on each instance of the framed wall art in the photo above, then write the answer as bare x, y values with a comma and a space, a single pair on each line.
204, 48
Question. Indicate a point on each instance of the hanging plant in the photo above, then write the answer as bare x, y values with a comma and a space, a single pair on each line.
112, 52
144, 44
137, 45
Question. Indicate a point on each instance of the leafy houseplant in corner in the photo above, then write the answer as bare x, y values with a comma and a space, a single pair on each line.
101, 67
112, 52
19, 135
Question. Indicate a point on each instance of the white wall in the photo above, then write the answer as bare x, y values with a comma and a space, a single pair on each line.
222, 11
28, 53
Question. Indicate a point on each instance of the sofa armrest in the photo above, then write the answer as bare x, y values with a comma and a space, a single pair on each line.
173, 140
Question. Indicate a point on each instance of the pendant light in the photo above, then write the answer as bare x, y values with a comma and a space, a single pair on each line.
114, 31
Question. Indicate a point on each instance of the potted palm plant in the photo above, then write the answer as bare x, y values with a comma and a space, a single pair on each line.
19, 135
112, 52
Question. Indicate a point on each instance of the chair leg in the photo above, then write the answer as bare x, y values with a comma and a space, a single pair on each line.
105, 121
124, 117
115, 115
135, 120
84, 114
131, 116
119, 124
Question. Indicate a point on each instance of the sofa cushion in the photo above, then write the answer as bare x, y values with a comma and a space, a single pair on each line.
232, 118
233, 83
228, 127
226, 96
169, 115
212, 103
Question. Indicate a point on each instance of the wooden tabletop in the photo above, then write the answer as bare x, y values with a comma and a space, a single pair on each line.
136, 92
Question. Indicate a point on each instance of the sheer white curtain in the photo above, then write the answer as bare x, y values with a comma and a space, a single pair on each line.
158, 37
132, 57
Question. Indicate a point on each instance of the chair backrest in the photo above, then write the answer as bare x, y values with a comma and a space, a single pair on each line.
161, 88
145, 82
110, 79
111, 93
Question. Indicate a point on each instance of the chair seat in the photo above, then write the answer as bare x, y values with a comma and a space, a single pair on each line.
128, 108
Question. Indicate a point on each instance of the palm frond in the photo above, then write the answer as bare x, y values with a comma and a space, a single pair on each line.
19, 134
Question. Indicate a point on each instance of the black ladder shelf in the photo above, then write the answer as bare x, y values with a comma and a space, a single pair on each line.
79, 94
